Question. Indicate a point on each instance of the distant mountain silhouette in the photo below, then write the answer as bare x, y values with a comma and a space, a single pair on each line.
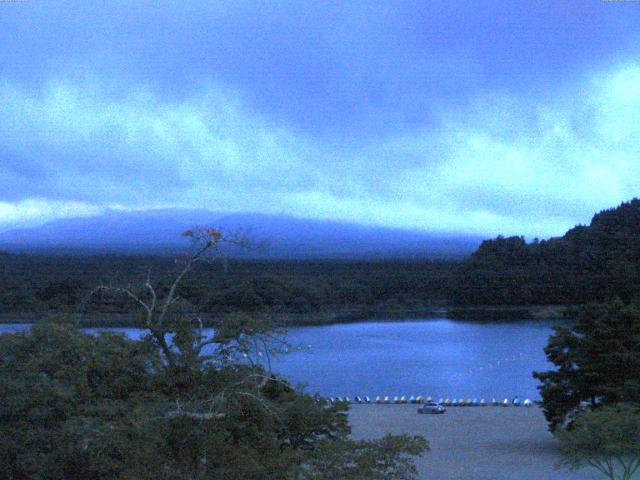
159, 232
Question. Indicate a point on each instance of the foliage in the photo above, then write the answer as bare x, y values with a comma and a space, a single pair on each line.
385, 458
607, 439
31, 284
597, 361
588, 264
175, 404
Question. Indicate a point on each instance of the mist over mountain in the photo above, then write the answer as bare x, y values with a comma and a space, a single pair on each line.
159, 232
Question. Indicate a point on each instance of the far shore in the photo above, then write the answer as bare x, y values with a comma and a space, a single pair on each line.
472, 443
474, 313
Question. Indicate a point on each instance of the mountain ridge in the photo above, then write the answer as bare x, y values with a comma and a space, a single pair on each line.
159, 232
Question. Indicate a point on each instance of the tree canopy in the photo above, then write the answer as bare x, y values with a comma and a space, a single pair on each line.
607, 439
597, 362
176, 404
588, 264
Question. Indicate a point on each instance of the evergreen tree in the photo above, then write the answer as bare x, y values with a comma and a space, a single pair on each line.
597, 360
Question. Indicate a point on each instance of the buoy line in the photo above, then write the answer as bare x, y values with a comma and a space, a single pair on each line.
419, 399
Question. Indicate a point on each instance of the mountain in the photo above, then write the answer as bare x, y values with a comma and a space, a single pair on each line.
159, 232
590, 263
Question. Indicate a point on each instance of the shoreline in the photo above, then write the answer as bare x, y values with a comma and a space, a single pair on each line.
477, 313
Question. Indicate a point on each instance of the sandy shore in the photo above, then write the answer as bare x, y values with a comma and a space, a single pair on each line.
473, 443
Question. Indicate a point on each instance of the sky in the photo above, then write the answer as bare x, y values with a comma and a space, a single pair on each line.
483, 118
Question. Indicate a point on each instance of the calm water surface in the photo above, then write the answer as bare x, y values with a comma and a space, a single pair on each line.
437, 357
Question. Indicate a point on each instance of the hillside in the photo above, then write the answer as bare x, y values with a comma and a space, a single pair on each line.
158, 232
589, 263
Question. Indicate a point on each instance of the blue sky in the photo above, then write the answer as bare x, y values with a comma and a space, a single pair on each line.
469, 117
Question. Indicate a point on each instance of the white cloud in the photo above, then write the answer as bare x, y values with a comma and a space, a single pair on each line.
507, 164
32, 212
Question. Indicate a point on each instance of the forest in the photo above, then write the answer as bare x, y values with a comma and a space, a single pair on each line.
591, 263
31, 285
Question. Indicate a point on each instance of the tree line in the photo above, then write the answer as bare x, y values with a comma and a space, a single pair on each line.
592, 263
588, 264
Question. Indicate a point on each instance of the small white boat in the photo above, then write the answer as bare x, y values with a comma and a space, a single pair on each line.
386, 400
367, 399
358, 399
494, 402
347, 399
447, 402
516, 402
412, 399
527, 403
429, 399
505, 402
483, 402
403, 399
378, 399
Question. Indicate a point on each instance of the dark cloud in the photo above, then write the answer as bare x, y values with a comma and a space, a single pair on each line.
489, 117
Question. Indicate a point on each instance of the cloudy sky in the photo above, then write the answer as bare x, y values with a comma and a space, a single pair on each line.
492, 117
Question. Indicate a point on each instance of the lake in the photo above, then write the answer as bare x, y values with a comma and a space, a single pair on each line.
437, 357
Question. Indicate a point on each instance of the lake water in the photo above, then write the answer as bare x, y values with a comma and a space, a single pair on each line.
437, 357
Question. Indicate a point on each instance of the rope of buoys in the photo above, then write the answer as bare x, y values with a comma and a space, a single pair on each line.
455, 402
